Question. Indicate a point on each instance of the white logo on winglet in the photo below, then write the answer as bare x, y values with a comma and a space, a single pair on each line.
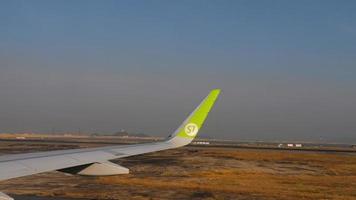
191, 129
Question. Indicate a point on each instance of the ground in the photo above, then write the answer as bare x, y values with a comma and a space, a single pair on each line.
201, 173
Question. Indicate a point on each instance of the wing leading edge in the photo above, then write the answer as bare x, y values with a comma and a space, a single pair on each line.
18, 165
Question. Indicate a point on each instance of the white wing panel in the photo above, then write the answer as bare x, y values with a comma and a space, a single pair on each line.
33, 165
13, 166
13, 169
45, 163
92, 156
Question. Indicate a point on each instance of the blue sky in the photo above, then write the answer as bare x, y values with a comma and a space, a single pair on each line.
287, 68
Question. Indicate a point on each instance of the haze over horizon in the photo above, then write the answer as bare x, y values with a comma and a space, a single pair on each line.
287, 69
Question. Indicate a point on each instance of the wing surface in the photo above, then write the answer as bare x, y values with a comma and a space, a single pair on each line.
18, 165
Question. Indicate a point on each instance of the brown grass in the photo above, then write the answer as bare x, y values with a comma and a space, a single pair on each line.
334, 176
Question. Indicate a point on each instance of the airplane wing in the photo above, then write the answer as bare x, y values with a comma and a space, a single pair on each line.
96, 161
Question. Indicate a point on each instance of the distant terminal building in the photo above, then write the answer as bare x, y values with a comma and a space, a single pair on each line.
290, 145
298, 145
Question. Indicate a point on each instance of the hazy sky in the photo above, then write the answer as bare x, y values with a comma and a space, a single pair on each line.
287, 68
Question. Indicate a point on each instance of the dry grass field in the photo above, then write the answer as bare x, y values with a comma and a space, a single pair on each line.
205, 173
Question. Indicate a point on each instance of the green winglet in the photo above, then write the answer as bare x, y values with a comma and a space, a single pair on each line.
194, 122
